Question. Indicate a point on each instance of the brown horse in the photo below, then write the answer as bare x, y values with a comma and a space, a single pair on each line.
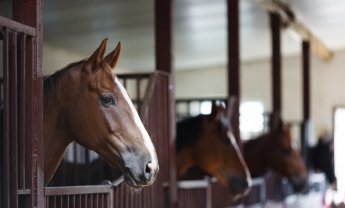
274, 151
86, 103
207, 143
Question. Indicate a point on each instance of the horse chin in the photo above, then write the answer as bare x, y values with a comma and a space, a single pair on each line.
132, 182
298, 183
238, 187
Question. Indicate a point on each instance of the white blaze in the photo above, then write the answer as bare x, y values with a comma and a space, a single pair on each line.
147, 139
239, 154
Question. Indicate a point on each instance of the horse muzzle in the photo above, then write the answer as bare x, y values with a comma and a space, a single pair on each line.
238, 186
298, 183
140, 171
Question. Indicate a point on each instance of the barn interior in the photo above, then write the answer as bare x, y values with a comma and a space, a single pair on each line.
200, 69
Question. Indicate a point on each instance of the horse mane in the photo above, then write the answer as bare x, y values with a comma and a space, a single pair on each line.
257, 143
52, 85
188, 131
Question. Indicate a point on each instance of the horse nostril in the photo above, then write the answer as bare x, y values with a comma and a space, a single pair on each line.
238, 185
149, 168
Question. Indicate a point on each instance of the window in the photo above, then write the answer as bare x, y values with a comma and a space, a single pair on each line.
251, 119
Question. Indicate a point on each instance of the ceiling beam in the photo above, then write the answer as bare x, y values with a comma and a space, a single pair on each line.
290, 21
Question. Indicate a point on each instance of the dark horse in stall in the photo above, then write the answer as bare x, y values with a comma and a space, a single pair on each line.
86, 103
274, 151
321, 159
206, 143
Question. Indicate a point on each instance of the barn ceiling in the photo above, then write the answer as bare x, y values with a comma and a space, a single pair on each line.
199, 29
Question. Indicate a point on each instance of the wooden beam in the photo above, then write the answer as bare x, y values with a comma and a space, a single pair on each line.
234, 60
306, 79
276, 63
164, 62
290, 20
306, 124
163, 35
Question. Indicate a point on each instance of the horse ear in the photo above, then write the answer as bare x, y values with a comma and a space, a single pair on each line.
113, 56
213, 110
216, 111
97, 56
275, 122
232, 105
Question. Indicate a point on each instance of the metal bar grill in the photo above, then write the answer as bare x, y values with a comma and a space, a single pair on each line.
194, 194
79, 196
14, 97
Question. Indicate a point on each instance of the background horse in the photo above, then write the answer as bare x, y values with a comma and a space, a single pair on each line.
321, 159
86, 103
274, 151
206, 142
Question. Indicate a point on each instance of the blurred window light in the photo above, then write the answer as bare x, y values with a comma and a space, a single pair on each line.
251, 119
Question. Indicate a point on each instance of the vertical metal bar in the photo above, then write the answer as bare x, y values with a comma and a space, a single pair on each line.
13, 118
97, 200
102, 200
90, 200
80, 206
27, 73
68, 201
6, 118
208, 195
234, 60
22, 111
85, 200
276, 62
111, 199
29, 132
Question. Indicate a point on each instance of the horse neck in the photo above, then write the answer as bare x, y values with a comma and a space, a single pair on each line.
255, 153
56, 138
188, 132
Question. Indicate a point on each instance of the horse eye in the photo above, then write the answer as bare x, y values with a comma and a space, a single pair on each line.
108, 100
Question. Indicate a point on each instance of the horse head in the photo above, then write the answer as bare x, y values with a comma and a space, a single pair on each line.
321, 158
284, 159
214, 150
97, 113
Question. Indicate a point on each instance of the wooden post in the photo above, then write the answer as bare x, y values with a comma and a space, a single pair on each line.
306, 79
276, 63
29, 12
164, 62
305, 130
234, 60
